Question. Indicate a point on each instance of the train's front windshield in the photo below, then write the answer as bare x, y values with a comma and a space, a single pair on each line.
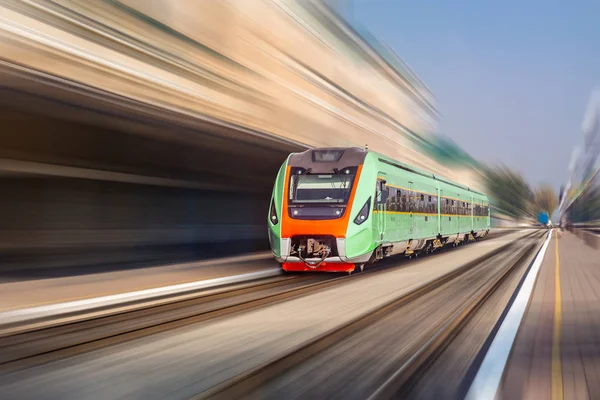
321, 188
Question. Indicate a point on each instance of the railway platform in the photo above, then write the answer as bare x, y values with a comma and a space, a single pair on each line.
20, 294
31, 293
556, 351
201, 358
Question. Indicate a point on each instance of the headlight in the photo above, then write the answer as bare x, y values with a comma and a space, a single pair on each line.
273, 213
363, 214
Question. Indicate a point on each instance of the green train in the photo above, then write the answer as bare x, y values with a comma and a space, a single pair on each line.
337, 209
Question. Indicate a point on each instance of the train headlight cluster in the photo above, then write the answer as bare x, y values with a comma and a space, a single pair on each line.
273, 213
363, 214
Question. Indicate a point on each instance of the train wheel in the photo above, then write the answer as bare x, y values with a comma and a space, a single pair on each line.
358, 268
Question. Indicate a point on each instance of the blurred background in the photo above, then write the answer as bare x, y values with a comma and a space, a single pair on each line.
139, 144
139, 131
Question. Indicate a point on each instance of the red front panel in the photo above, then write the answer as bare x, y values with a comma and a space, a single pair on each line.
324, 267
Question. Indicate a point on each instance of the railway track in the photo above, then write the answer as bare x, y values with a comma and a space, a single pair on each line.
294, 374
401, 382
27, 349
32, 347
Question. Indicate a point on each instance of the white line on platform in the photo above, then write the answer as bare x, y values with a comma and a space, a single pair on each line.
53, 310
486, 382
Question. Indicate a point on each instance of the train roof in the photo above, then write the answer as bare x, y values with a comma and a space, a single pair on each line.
332, 156
335, 155
418, 171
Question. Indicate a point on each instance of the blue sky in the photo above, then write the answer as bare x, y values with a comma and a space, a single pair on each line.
512, 79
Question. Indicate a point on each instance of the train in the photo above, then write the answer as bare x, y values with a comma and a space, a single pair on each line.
543, 218
339, 209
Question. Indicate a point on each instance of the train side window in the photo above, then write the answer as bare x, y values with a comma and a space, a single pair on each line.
377, 193
402, 200
414, 203
418, 203
430, 199
392, 199
389, 200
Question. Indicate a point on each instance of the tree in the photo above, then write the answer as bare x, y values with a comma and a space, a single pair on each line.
545, 199
508, 191
445, 151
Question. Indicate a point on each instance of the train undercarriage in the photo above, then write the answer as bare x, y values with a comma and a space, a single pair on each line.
320, 252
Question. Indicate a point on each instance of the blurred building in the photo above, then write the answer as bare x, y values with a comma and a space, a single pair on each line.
581, 197
289, 68
127, 123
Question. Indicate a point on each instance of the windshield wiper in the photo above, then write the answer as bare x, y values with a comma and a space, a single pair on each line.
302, 175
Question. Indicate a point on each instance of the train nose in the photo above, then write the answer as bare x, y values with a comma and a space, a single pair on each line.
313, 246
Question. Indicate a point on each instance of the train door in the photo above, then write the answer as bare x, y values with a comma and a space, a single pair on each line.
437, 210
381, 196
411, 206
458, 211
471, 211
455, 214
442, 208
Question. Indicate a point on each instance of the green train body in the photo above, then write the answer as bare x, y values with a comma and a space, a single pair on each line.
338, 208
